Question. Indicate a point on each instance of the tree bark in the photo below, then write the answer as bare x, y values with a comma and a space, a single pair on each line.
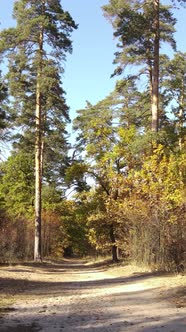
38, 178
181, 117
38, 158
155, 79
114, 247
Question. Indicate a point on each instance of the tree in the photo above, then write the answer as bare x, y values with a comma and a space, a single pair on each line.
155, 70
36, 49
139, 27
96, 133
17, 184
158, 187
17, 210
175, 88
16, 198
108, 156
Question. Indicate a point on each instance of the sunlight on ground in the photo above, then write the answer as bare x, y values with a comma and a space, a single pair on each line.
136, 287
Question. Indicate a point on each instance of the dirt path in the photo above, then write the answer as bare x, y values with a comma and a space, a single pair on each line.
74, 297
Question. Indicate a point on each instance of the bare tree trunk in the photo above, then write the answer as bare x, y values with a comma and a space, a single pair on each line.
38, 158
150, 79
181, 116
155, 80
114, 247
38, 178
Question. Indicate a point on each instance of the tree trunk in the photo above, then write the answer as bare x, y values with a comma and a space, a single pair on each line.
38, 178
181, 117
38, 157
155, 80
114, 247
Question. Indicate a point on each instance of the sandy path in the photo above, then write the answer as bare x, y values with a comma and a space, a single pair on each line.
73, 297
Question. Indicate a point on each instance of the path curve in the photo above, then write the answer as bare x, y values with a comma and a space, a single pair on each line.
74, 297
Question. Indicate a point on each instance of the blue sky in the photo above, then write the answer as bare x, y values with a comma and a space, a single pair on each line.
88, 69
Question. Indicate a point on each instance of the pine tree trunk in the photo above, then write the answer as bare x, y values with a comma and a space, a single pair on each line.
150, 79
155, 80
181, 118
38, 157
38, 178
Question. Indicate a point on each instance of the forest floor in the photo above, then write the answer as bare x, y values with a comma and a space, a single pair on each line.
73, 296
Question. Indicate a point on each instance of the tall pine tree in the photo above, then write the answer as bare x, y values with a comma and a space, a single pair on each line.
140, 27
36, 49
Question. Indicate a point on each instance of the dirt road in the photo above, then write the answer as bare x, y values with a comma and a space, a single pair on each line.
74, 297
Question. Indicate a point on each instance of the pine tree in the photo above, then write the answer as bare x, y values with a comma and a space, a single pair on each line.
175, 88
155, 70
36, 49
140, 26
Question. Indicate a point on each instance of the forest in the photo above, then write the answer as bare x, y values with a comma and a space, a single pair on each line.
126, 172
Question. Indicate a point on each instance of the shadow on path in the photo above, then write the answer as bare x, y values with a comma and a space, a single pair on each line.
10, 285
91, 305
